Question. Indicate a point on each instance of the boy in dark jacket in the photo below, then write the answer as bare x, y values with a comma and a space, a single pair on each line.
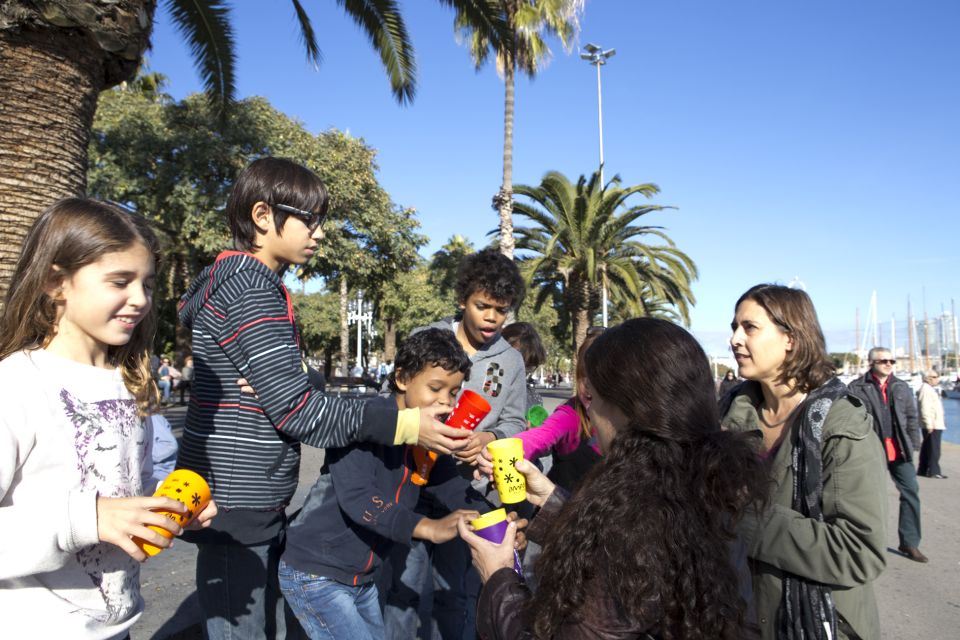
247, 446
488, 287
363, 503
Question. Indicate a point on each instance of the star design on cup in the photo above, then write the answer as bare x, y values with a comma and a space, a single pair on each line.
195, 499
513, 462
508, 478
186, 484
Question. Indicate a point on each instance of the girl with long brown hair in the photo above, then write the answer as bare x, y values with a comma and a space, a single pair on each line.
74, 450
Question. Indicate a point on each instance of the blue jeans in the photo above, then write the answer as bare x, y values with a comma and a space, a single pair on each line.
165, 387
328, 610
238, 592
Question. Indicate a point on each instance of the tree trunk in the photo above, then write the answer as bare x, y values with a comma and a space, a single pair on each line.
49, 83
344, 328
580, 303
504, 199
389, 339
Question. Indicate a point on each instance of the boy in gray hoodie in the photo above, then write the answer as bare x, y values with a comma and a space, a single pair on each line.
488, 288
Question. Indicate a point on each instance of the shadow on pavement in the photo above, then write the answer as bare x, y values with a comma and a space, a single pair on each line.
188, 613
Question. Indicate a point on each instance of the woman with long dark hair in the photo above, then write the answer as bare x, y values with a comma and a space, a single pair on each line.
817, 550
647, 546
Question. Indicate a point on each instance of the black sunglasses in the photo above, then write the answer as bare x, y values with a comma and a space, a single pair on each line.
885, 361
310, 218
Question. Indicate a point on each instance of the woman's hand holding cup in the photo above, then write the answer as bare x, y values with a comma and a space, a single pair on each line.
539, 486
488, 557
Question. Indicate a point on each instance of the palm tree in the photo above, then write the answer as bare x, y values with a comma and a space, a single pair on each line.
445, 263
586, 233
56, 56
527, 21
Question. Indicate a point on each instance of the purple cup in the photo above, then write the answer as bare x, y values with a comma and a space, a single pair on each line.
495, 534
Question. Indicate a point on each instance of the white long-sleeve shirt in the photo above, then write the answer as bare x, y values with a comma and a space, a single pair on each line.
68, 433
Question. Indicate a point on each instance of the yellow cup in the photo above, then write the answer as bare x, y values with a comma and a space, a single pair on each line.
510, 483
187, 488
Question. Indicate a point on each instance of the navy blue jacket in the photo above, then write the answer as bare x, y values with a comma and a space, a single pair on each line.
362, 504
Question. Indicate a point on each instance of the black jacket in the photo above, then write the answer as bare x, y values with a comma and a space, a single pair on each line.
361, 505
902, 409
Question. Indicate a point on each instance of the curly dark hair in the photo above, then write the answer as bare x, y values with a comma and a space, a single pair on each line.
493, 273
653, 525
428, 348
807, 365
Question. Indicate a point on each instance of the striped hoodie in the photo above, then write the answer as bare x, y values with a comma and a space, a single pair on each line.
248, 447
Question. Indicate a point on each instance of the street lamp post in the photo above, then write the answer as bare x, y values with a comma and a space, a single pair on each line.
598, 57
361, 313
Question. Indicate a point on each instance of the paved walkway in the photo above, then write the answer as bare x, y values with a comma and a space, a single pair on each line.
916, 600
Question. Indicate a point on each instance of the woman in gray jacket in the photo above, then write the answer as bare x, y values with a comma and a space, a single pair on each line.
820, 545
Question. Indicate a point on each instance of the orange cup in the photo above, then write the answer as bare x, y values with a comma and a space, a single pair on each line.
187, 488
469, 411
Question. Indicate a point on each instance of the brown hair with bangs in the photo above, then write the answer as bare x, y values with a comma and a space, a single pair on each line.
806, 365
70, 235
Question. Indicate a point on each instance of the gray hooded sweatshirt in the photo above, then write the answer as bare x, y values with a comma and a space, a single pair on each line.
496, 373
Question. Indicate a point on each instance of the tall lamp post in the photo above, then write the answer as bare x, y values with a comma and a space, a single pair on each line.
361, 313
598, 57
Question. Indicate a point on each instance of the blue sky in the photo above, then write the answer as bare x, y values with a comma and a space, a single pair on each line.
813, 139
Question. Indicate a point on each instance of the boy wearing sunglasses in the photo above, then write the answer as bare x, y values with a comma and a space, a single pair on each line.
247, 446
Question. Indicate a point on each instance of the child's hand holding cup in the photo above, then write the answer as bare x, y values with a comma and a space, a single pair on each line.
187, 488
469, 412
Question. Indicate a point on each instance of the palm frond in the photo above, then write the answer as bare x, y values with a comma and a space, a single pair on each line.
205, 25
307, 35
381, 21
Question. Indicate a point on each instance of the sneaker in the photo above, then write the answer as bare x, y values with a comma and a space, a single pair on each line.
913, 553
938, 476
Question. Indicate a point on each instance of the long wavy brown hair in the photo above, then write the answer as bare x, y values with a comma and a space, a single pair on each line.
652, 526
584, 429
69, 235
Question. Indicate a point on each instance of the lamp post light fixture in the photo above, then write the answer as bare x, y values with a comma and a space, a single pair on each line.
598, 57
361, 314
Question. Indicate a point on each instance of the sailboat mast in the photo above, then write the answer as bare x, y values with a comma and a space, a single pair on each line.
856, 339
910, 333
953, 318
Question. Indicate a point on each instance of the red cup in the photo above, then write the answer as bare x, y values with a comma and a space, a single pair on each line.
469, 411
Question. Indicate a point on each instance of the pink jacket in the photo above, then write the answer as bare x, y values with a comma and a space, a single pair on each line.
560, 431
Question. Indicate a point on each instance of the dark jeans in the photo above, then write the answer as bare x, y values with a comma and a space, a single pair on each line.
905, 477
451, 610
184, 387
930, 453
239, 593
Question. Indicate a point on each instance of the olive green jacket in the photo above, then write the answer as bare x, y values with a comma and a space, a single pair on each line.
847, 550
